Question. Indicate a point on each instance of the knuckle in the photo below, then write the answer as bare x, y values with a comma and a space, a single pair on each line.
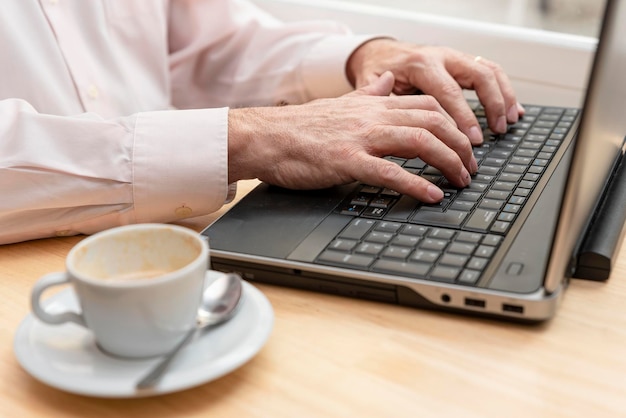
434, 119
430, 103
420, 138
389, 172
451, 89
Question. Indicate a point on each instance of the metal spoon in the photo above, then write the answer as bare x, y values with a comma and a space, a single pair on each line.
219, 303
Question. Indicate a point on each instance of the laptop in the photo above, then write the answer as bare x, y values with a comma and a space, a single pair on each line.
504, 247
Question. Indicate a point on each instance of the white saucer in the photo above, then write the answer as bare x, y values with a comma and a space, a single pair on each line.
66, 356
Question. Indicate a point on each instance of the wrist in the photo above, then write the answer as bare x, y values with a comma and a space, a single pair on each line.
357, 61
248, 150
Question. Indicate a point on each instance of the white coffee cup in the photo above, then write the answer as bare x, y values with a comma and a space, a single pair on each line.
139, 287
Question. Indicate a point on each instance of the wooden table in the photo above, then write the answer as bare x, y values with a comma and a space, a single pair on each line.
336, 357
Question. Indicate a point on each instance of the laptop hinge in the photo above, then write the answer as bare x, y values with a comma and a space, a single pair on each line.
600, 247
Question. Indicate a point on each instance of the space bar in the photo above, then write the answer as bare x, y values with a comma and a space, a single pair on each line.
450, 218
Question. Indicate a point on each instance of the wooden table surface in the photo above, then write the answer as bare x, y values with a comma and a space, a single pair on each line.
330, 356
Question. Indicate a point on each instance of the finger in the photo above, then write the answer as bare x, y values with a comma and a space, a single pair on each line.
489, 91
512, 107
380, 172
441, 130
449, 93
378, 86
421, 102
408, 142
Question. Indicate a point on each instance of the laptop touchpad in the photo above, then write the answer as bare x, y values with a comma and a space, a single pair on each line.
272, 212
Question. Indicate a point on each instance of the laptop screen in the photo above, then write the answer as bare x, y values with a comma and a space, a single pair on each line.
599, 141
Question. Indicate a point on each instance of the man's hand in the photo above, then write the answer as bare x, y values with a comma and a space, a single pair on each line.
442, 73
329, 142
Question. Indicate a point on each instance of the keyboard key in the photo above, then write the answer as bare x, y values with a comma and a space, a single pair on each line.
414, 163
370, 189
417, 230
381, 202
488, 170
402, 267
354, 210
370, 248
515, 168
374, 212
349, 260
390, 193
388, 226
469, 196
406, 240
362, 200
469, 277
455, 260
506, 217
440, 233
492, 240
445, 273
497, 194
357, 229
462, 248
485, 251
472, 237
425, 256
403, 209
477, 263
463, 205
378, 236
451, 218
343, 245
481, 220
397, 252
500, 227
491, 204
433, 244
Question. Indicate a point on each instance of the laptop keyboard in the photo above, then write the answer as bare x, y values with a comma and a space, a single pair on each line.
451, 241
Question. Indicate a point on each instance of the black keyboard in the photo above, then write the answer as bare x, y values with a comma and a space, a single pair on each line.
452, 240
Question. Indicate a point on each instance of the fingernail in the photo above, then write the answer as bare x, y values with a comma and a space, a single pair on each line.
434, 192
473, 165
475, 135
501, 124
466, 179
520, 108
513, 114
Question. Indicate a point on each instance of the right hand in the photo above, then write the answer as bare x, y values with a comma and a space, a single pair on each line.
329, 142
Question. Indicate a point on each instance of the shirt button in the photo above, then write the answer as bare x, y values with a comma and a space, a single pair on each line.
92, 92
53, 2
183, 211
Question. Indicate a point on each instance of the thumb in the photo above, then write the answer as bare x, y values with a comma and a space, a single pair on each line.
378, 85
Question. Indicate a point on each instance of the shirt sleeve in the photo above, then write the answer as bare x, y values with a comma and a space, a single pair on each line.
250, 58
69, 175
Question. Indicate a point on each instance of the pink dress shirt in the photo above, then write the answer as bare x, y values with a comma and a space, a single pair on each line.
115, 111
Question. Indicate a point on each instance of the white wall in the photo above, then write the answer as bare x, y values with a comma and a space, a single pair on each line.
545, 67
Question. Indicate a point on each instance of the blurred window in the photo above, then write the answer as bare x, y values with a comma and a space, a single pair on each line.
579, 17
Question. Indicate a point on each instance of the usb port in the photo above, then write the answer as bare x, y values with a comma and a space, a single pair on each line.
478, 303
506, 307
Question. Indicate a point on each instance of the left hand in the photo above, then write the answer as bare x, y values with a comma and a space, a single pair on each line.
443, 73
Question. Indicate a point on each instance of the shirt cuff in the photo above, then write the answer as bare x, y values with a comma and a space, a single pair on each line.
232, 192
180, 164
324, 68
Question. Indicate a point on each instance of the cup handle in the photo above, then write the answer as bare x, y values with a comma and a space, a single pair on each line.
49, 280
